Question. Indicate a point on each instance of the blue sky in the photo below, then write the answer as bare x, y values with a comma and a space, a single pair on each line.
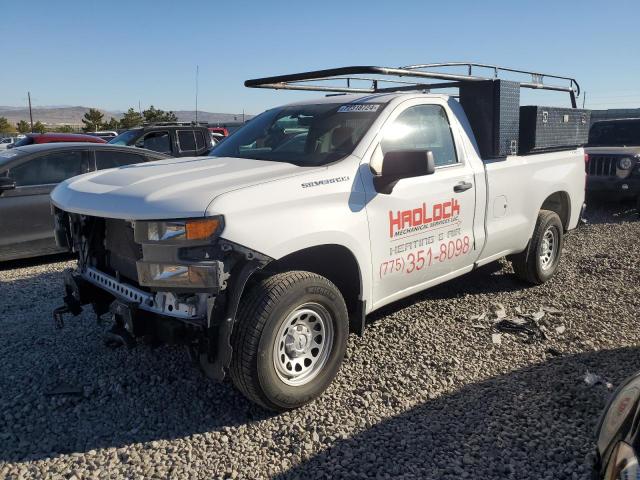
112, 54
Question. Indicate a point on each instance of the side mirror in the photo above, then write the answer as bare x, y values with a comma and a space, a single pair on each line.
7, 183
403, 164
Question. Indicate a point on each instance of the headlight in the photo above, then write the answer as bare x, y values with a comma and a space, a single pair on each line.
178, 231
621, 407
625, 163
623, 463
172, 275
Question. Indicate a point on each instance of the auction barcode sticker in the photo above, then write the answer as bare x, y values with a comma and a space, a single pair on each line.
370, 107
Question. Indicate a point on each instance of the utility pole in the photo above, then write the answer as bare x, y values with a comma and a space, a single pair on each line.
30, 112
584, 99
197, 72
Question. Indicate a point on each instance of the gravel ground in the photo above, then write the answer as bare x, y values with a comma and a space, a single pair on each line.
426, 393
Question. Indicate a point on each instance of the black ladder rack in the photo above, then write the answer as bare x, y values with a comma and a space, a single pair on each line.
432, 71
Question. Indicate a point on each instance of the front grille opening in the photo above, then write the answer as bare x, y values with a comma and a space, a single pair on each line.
602, 166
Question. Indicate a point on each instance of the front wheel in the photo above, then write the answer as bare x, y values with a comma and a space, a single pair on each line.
539, 262
289, 340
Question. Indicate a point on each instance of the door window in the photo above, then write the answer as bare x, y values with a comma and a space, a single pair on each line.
48, 169
186, 140
156, 141
106, 159
423, 127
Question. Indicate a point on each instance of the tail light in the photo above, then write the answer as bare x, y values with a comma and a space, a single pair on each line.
586, 169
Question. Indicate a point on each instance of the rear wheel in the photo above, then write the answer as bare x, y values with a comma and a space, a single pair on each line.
289, 340
539, 261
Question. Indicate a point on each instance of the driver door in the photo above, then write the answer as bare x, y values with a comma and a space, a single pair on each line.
422, 231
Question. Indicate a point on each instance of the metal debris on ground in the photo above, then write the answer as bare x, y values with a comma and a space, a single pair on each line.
551, 310
496, 338
478, 318
499, 311
520, 325
528, 325
592, 379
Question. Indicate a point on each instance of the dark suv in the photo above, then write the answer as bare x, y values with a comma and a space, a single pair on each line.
613, 166
175, 139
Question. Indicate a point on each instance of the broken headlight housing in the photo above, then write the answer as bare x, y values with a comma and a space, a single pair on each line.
179, 231
153, 274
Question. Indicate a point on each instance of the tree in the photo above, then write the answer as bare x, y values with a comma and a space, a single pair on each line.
157, 115
131, 119
92, 120
39, 127
23, 127
65, 129
112, 124
5, 126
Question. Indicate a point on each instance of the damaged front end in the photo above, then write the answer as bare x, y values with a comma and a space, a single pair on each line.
176, 281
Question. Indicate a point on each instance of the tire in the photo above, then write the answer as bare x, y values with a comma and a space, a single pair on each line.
539, 261
307, 313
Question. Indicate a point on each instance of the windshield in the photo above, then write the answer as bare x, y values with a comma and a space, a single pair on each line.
615, 134
306, 135
23, 141
125, 138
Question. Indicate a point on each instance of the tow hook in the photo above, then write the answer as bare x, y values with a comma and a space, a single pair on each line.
71, 306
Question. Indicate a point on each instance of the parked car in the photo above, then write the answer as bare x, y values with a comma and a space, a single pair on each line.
5, 142
39, 138
220, 130
175, 139
27, 177
613, 168
618, 435
264, 257
106, 134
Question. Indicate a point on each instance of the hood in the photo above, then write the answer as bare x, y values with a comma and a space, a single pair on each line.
632, 151
172, 188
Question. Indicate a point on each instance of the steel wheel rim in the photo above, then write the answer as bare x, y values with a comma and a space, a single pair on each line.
303, 344
549, 248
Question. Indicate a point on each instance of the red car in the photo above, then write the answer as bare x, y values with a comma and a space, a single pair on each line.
221, 130
33, 138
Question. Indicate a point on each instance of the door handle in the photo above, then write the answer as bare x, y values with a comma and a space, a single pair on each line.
462, 186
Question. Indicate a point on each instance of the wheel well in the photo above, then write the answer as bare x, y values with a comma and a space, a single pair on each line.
334, 262
559, 202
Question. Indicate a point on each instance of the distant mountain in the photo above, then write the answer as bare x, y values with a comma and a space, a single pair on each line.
57, 115
190, 116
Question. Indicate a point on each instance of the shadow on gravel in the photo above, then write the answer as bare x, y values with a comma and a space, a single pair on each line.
526, 424
602, 211
31, 262
491, 278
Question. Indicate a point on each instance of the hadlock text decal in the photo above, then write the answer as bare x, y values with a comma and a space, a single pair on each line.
402, 222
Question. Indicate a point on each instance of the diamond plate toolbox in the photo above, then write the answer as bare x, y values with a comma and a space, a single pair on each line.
552, 128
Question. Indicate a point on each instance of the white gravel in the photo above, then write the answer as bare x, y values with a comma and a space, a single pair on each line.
425, 393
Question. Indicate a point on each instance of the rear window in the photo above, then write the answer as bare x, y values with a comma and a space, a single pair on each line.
186, 140
615, 134
200, 143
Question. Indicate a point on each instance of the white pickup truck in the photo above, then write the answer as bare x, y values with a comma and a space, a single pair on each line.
264, 256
